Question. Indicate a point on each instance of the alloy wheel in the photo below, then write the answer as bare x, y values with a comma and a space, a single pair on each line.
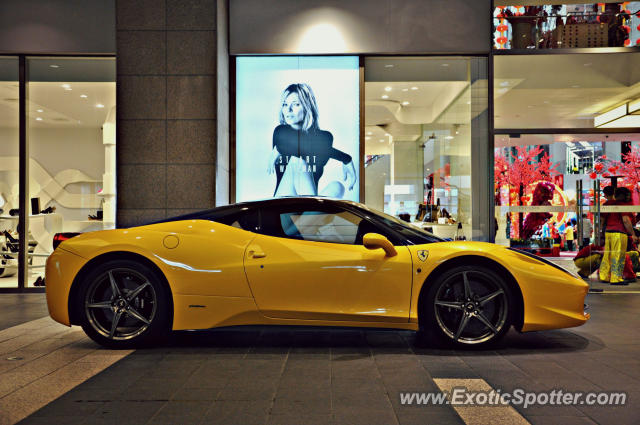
471, 307
120, 304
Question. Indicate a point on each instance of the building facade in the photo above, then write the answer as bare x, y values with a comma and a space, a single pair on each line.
448, 112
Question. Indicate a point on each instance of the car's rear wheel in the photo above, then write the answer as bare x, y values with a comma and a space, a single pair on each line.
468, 306
124, 304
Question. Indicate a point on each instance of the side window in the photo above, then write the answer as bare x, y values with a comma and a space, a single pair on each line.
319, 226
330, 225
243, 219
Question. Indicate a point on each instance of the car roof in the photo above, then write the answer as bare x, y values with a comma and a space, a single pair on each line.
262, 203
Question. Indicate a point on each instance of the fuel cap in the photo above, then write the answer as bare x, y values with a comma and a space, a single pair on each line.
170, 241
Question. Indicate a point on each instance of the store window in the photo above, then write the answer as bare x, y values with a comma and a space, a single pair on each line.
549, 187
422, 115
9, 179
565, 24
566, 91
71, 137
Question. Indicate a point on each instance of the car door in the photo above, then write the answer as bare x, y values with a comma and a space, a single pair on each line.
309, 263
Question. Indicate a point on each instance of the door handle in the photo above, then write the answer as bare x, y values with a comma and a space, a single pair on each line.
257, 254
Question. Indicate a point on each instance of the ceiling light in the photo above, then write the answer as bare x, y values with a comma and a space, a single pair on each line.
99, 105
575, 86
503, 90
588, 64
414, 88
54, 66
65, 86
504, 84
634, 107
40, 110
384, 96
445, 64
405, 103
369, 133
381, 140
367, 138
388, 88
387, 134
448, 137
607, 117
457, 132
84, 96
405, 89
468, 102
68, 89
389, 65
38, 119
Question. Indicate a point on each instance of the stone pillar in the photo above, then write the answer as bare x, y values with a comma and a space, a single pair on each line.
166, 108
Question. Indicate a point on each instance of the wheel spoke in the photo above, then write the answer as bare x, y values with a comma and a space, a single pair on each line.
463, 324
136, 292
114, 325
467, 287
103, 304
452, 304
489, 297
480, 316
134, 313
114, 285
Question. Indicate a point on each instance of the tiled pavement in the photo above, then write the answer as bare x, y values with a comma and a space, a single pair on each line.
268, 375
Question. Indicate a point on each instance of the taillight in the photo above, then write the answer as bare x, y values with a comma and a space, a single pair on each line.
58, 238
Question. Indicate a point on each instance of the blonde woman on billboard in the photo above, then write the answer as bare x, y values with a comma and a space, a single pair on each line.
300, 149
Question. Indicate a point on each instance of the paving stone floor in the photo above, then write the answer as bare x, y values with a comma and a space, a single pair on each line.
273, 375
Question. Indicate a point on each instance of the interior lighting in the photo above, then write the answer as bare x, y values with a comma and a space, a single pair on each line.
618, 117
84, 96
414, 88
54, 66
99, 105
369, 133
634, 107
387, 88
405, 103
405, 89
322, 38
39, 110
38, 119
445, 64
381, 140
367, 138
448, 137
65, 86
389, 65
384, 96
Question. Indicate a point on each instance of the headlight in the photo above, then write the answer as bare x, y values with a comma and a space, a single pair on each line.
547, 262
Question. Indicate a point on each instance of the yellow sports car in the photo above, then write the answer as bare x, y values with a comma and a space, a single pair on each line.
301, 261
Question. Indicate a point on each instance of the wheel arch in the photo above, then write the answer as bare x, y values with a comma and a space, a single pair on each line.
74, 313
478, 260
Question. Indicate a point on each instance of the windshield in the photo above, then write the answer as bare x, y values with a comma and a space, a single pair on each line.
414, 234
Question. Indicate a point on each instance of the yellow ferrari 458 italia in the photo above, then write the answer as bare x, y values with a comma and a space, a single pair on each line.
301, 261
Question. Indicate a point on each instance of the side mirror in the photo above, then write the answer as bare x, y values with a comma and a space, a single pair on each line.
377, 241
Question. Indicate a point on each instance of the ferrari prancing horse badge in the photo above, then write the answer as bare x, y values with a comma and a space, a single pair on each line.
423, 254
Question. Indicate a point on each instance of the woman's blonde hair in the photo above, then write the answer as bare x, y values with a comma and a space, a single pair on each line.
309, 105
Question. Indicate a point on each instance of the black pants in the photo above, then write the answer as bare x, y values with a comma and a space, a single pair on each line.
570, 245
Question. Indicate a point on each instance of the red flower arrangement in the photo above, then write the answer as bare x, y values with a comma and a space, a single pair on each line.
542, 195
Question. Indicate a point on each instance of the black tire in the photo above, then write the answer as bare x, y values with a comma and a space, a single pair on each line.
467, 307
141, 304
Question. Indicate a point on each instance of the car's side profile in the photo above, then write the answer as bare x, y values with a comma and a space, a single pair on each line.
301, 261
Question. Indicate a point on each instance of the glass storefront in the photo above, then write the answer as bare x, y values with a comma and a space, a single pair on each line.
421, 118
70, 137
9, 191
565, 25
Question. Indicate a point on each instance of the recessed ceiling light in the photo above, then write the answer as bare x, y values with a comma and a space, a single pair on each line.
405, 89
84, 96
38, 119
575, 86
388, 88
65, 86
99, 105
384, 96
588, 64
405, 103
529, 106
39, 110
54, 66
389, 65
68, 89
414, 88
387, 134
445, 64
503, 90
468, 102
369, 133
381, 140
504, 84
448, 137
367, 138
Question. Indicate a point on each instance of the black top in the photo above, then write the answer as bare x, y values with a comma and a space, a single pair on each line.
314, 146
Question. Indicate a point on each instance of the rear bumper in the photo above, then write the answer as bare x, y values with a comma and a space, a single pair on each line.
61, 268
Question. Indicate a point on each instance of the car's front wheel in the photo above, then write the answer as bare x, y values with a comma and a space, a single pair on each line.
124, 304
468, 306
